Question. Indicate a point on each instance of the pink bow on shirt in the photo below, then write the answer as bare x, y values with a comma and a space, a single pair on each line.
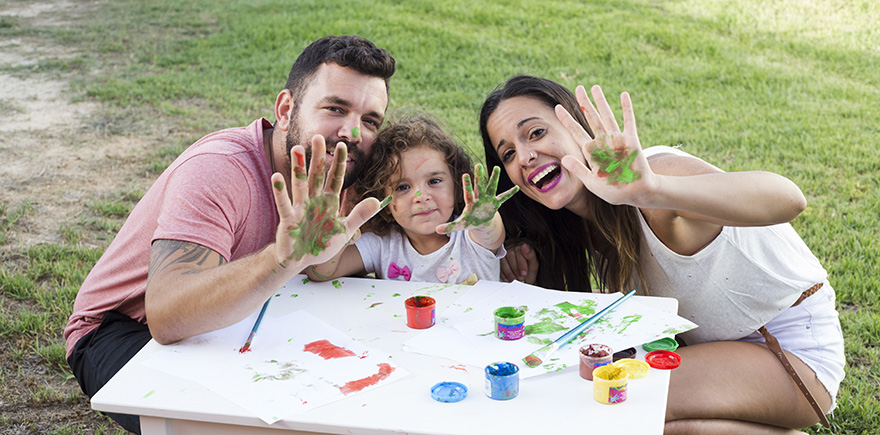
454, 269
394, 271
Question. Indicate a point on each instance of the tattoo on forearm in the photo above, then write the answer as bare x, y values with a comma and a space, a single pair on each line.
165, 253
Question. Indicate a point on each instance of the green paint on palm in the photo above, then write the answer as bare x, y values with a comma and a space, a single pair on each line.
616, 165
321, 223
480, 208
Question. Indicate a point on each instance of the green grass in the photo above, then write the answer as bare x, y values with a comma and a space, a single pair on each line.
786, 86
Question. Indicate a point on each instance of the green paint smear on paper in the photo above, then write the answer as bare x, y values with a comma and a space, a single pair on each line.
395, 295
587, 308
320, 224
544, 328
305, 280
336, 283
539, 341
615, 165
549, 320
149, 394
294, 295
286, 371
627, 321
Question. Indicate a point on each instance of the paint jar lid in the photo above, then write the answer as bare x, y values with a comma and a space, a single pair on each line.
663, 359
635, 367
665, 343
626, 353
449, 392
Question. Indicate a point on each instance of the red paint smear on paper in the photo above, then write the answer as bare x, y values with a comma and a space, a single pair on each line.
327, 350
385, 370
459, 367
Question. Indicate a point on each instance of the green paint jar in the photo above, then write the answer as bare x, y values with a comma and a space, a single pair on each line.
510, 323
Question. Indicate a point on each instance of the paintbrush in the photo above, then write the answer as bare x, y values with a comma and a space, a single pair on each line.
247, 344
537, 357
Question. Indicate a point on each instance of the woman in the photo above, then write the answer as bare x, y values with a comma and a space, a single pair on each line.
669, 224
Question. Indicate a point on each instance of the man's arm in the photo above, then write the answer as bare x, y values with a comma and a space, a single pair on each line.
191, 289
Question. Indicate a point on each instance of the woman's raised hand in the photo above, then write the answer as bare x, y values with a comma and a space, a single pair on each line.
617, 170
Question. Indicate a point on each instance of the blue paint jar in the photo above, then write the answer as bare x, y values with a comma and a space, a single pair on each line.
502, 380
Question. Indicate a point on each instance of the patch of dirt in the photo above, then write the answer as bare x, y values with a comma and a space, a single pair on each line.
56, 156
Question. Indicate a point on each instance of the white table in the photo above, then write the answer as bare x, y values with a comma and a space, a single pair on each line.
559, 402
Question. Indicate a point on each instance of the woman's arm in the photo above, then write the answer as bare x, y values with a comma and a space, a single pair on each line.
697, 190
619, 173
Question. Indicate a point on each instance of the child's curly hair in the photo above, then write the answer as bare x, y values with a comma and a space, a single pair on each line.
383, 163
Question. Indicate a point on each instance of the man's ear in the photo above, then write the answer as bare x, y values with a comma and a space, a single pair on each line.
283, 107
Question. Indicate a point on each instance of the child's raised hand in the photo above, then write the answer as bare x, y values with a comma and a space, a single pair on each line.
480, 201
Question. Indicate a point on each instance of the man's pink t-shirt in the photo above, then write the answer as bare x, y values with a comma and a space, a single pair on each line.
216, 194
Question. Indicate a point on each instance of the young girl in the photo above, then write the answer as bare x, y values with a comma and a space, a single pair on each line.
426, 176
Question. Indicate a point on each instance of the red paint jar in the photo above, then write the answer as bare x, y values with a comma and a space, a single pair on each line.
420, 312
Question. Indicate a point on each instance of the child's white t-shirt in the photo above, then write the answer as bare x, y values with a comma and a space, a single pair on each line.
393, 257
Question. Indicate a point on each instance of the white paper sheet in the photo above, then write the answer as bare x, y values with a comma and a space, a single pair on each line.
296, 362
468, 337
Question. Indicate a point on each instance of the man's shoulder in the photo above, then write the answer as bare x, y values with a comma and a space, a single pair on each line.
230, 140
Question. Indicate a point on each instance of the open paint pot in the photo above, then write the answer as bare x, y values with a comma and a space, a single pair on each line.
625, 354
609, 384
502, 380
593, 356
510, 323
420, 312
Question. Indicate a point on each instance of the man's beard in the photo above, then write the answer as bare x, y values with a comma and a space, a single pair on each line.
294, 137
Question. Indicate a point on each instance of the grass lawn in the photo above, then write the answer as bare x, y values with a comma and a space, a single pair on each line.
787, 86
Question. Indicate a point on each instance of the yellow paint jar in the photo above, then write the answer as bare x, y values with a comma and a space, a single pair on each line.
609, 384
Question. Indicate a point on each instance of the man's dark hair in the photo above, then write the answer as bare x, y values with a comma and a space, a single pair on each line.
348, 51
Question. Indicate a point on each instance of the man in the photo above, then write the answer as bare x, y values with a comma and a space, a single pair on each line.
218, 233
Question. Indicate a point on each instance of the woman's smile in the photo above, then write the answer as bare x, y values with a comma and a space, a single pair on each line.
546, 177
